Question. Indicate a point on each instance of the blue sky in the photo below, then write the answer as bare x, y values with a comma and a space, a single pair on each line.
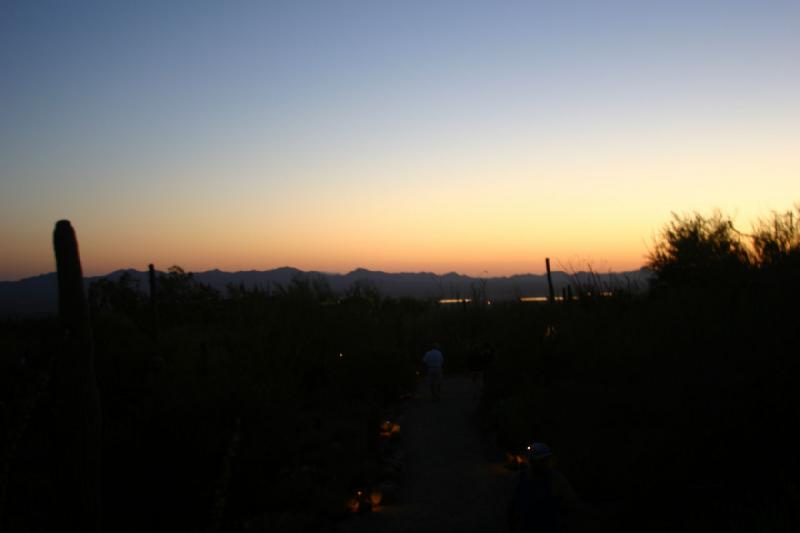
257, 134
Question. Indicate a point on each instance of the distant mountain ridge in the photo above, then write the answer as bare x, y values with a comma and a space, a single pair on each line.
38, 294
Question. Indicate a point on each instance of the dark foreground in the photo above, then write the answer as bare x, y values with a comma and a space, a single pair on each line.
453, 480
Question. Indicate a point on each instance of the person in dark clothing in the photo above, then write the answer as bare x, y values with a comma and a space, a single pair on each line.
487, 356
475, 363
543, 496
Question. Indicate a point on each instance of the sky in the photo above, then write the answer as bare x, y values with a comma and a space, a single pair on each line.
476, 137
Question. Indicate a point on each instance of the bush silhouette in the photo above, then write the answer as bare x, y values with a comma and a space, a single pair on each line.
776, 240
697, 251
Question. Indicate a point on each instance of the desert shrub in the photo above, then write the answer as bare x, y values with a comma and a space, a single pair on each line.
776, 240
698, 252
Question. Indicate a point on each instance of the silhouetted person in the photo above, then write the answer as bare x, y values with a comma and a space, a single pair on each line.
434, 360
475, 359
543, 496
486, 358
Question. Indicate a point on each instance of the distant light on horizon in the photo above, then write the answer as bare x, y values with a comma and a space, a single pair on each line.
446, 301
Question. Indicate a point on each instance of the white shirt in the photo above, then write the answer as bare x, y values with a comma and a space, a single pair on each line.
433, 359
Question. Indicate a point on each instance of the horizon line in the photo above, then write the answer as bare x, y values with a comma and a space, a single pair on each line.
328, 273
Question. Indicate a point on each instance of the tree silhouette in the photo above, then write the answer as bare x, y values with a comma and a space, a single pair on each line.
696, 251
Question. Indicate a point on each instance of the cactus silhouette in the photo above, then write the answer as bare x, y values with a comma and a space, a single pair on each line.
78, 438
551, 294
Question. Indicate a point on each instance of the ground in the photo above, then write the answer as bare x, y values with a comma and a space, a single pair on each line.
454, 481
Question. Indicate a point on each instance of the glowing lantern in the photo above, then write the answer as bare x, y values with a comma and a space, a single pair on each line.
375, 497
389, 428
353, 505
357, 503
515, 460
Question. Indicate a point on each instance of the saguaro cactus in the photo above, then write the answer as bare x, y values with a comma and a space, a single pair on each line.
551, 294
78, 437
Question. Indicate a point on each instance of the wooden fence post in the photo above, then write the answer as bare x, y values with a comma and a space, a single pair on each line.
78, 436
551, 295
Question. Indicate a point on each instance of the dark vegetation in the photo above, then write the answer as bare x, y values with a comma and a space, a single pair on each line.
680, 405
258, 408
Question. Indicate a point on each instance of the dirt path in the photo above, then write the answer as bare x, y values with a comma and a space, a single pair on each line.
452, 483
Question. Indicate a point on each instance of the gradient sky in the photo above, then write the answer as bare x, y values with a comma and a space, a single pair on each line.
436, 136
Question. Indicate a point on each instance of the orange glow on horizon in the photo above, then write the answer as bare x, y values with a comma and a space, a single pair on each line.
599, 212
399, 137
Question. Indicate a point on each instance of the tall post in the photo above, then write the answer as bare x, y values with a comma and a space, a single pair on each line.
153, 300
551, 294
77, 438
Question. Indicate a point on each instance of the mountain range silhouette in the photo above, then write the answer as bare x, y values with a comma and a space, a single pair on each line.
38, 294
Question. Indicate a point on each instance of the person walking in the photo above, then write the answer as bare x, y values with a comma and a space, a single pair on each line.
434, 361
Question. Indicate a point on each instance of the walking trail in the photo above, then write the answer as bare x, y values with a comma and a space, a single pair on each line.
453, 480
